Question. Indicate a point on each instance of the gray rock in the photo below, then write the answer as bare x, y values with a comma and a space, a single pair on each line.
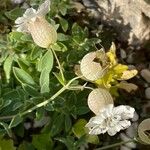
17, 1
147, 93
145, 73
131, 58
130, 18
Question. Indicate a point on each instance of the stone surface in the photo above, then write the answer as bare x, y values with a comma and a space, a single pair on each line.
145, 73
17, 1
130, 18
147, 93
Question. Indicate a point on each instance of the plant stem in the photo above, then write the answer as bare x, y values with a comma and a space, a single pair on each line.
6, 117
43, 103
115, 145
50, 99
59, 65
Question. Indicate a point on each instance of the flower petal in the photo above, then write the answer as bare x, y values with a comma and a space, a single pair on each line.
126, 112
19, 20
29, 13
22, 28
44, 8
97, 130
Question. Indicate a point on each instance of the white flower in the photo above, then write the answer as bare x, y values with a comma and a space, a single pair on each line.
34, 22
111, 120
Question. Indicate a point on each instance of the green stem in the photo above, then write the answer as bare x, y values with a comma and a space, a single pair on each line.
50, 99
6, 117
43, 103
59, 65
115, 145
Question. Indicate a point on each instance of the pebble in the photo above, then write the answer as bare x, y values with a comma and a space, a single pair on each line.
131, 67
123, 54
147, 93
131, 131
135, 117
131, 58
125, 148
145, 73
17, 1
125, 138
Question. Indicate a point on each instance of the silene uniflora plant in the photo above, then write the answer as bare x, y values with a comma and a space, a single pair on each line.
54, 77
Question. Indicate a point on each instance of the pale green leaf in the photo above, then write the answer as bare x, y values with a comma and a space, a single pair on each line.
15, 121
22, 76
46, 61
64, 24
7, 66
44, 81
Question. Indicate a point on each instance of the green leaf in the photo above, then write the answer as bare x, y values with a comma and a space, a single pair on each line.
59, 78
31, 90
5, 125
63, 8
78, 33
15, 36
62, 37
46, 61
23, 63
40, 114
26, 38
44, 81
17, 105
6, 144
15, 121
7, 66
42, 142
81, 110
57, 125
92, 139
64, 24
26, 146
79, 128
35, 53
22, 76
14, 13
68, 123
59, 47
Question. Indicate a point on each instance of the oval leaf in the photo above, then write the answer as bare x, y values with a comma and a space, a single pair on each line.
46, 61
22, 76
15, 121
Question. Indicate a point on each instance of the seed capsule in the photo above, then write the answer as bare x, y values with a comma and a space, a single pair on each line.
90, 69
98, 99
42, 32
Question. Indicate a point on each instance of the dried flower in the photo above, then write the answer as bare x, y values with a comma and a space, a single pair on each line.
91, 66
34, 22
111, 120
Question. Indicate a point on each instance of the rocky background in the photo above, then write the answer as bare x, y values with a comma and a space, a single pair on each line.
129, 18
